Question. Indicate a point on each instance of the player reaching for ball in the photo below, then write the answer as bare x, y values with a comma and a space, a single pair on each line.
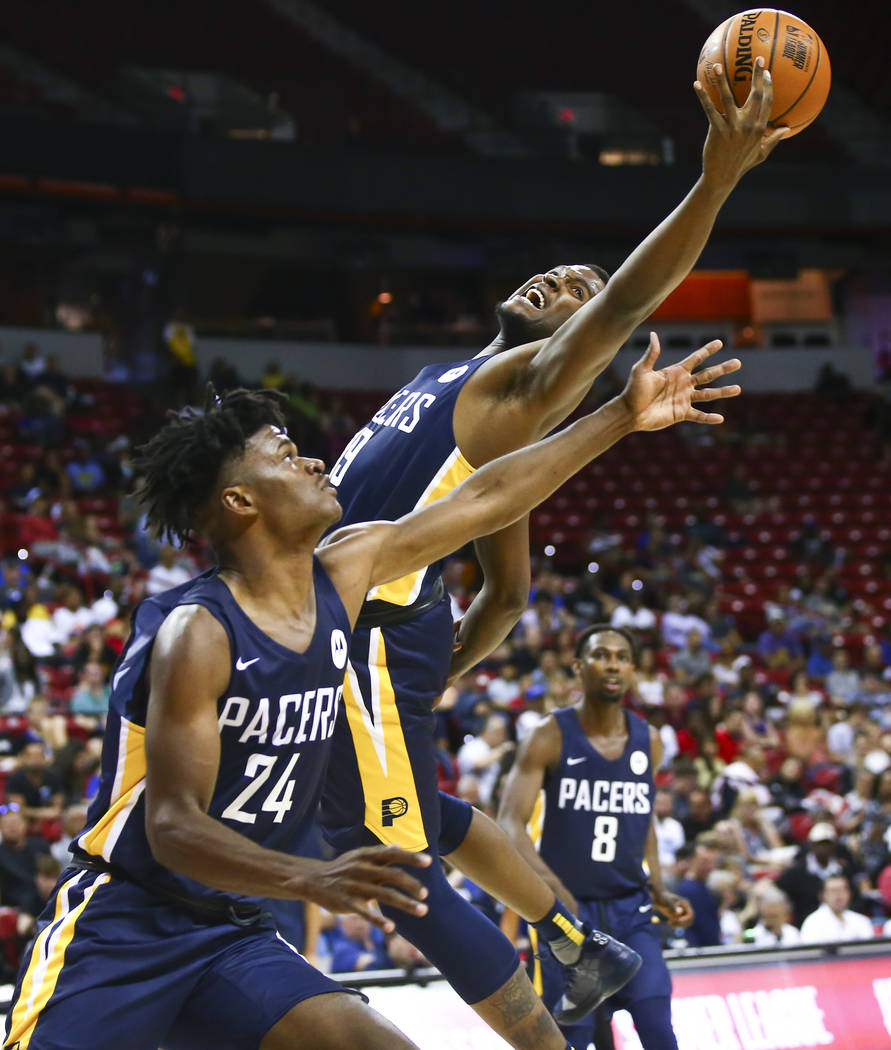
219, 732
594, 762
559, 330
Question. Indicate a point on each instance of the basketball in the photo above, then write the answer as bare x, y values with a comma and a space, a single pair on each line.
792, 51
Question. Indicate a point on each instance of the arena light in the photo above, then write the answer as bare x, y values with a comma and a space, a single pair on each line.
637, 585
550, 550
23, 554
593, 566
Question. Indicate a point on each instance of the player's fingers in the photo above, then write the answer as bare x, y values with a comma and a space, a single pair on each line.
728, 102
755, 102
364, 909
771, 139
766, 99
394, 899
695, 416
692, 361
398, 855
653, 351
709, 375
705, 100
715, 393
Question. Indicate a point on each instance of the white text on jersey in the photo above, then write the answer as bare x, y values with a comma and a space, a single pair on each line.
604, 796
300, 717
393, 414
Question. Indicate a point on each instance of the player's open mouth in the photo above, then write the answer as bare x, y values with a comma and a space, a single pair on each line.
536, 297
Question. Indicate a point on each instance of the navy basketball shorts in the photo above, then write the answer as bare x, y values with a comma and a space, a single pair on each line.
113, 967
629, 919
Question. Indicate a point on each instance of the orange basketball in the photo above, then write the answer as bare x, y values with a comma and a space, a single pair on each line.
792, 51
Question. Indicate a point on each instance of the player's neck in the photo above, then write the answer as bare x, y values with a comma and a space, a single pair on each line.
602, 719
499, 343
264, 573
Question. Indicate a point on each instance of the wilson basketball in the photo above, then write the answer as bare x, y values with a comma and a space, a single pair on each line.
792, 51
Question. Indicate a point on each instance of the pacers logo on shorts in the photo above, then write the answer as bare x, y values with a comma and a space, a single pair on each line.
391, 808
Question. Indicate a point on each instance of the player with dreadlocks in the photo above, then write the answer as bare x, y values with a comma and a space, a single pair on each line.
223, 706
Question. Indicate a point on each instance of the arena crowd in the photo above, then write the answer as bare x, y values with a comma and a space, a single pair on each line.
773, 810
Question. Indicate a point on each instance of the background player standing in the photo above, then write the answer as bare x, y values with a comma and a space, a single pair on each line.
431, 435
595, 762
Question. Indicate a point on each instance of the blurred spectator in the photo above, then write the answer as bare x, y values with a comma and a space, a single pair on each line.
39, 633
832, 920
85, 470
693, 661
669, 832
167, 573
843, 681
650, 681
778, 646
18, 673
74, 820
801, 690
773, 929
48, 870
677, 623
273, 377
534, 712
72, 617
35, 788
723, 885
634, 614
505, 687
482, 755
402, 954
18, 861
819, 859
94, 648
92, 694
33, 363
356, 945
706, 927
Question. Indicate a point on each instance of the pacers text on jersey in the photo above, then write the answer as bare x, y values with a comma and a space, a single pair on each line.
604, 796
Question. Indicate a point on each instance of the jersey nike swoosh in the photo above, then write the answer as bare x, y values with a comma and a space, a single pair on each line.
645, 907
575, 761
241, 664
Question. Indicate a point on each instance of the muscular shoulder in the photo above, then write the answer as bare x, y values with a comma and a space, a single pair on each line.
544, 745
192, 643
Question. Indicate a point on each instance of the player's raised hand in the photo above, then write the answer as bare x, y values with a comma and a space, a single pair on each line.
355, 880
657, 399
738, 138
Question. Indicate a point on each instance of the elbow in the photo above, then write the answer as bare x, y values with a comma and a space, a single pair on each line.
166, 829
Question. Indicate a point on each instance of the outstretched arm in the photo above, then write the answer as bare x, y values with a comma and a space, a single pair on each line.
190, 669
360, 557
532, 394
504, 559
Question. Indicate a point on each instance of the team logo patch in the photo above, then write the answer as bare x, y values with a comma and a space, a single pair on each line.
339, 648
638, 762
453, 373
391, 808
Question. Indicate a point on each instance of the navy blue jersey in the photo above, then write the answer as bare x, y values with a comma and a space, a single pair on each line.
276, 718
405, 457
597, 812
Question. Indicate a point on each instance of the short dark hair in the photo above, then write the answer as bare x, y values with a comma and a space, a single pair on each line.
600, 628
599, 270
179, 467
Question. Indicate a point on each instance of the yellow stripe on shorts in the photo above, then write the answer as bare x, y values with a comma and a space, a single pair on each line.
47, 960
392, 810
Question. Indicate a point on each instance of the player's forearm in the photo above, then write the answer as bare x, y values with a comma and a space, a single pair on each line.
507, 488
651, 856
659, 264
196, 845
487, 622
516, 832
